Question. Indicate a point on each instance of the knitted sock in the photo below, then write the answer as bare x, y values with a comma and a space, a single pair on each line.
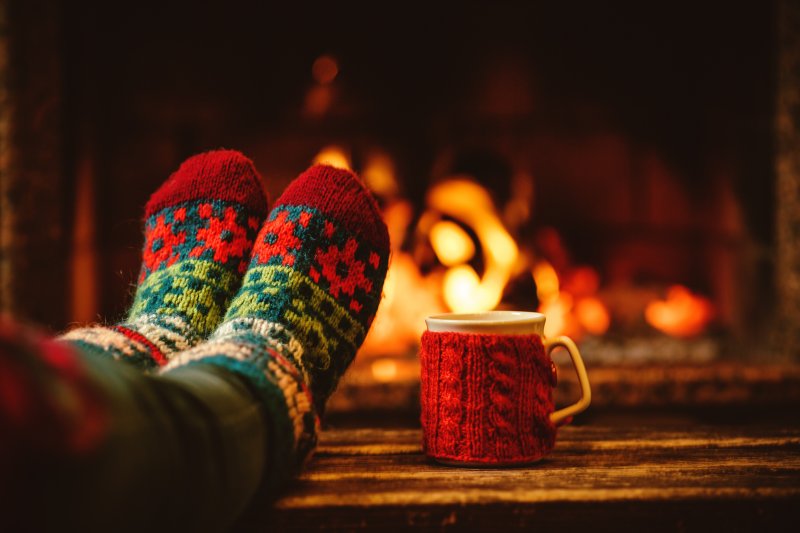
308, 298
199, 232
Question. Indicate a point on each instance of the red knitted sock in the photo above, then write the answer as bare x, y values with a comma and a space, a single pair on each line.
306, 303
486, 398
200, 226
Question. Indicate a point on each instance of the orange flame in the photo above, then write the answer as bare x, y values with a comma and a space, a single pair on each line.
451, 244
384, 369
592, 315
379, 175
682, 314
408, 296
547, 284
333, 155
462, 220
464, 290
572, 309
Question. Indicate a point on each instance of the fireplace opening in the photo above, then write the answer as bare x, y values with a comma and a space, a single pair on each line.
612, 168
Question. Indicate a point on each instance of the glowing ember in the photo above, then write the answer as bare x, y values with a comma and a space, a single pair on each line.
546, 281
384, 369
572, 307
592, 315
325, 69
334, 156
379, 175
582, 281
682, 314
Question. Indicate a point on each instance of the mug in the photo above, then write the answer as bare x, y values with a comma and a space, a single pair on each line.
486, 388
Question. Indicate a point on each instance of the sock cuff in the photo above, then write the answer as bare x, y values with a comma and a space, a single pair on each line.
219, 174
286, 453
290, 416
118, 342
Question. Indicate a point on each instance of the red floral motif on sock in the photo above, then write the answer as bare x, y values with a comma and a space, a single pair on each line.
161, 234
223, 235
333, 260
279, 240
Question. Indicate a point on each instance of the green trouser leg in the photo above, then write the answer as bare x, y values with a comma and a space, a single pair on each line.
184, 451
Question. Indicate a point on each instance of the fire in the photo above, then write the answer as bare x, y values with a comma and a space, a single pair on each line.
560, 320
408, 297
546, 281
379, 175
573, 309
334, 156
384, 369
451, 243
593, 315
682, 314
464, 290
460, 221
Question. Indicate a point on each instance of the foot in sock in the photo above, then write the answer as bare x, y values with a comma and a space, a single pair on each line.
200, 227
306, 303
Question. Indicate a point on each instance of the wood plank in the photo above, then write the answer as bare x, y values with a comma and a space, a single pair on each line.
654, 473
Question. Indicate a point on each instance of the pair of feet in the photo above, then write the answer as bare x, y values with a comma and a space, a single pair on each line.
281, 299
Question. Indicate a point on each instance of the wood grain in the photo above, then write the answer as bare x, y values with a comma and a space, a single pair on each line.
635, 472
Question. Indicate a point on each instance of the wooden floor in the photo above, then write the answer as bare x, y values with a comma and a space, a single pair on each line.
615, 472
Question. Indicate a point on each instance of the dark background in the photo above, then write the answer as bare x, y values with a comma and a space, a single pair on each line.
581, 95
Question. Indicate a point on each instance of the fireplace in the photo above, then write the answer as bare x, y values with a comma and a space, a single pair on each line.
614, 169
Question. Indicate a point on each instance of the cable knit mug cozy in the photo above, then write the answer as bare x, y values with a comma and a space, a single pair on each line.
487, 388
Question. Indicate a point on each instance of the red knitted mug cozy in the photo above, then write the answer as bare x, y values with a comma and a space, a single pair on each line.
486, 398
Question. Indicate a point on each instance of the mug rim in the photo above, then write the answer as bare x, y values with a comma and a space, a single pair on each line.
485, 319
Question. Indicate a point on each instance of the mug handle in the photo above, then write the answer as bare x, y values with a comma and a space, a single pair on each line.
583, 379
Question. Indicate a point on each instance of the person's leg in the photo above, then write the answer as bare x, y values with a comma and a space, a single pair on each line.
93, 445
199, 231
226, 422
307, 301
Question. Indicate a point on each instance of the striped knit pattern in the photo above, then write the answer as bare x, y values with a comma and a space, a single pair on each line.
200, 227
306, 303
